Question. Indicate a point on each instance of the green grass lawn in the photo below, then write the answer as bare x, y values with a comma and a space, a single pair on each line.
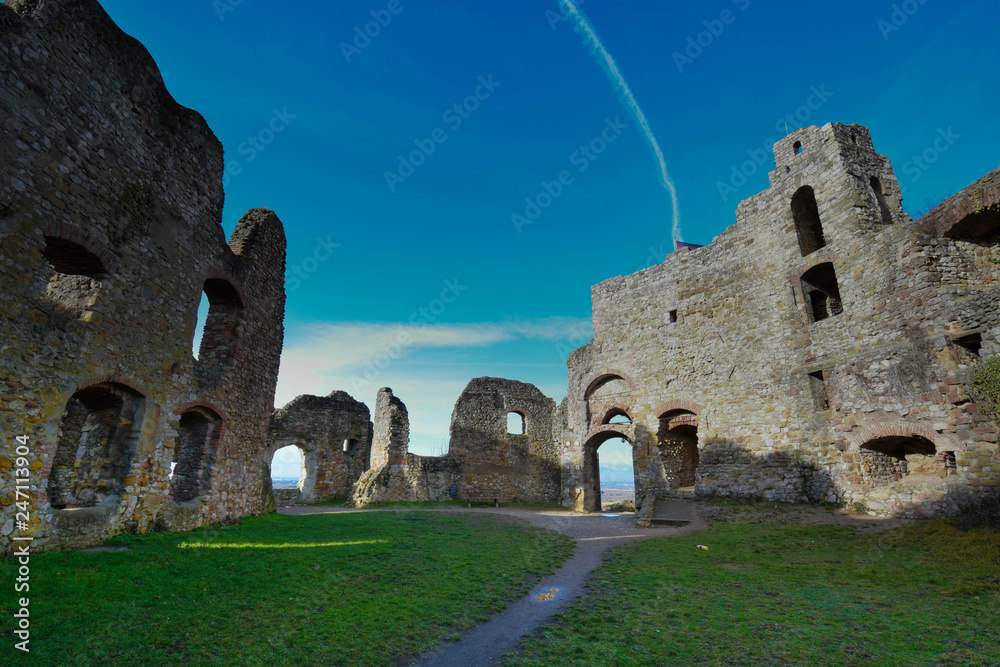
368, 588
772, 594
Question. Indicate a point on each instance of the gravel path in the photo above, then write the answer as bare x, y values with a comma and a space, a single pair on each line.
594, 535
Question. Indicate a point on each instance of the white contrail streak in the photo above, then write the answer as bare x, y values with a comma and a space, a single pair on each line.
607, 62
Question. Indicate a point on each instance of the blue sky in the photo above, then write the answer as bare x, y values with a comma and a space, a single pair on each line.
428, 268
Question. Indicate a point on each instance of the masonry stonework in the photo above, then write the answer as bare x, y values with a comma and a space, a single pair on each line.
817, 349
110, 233
484, 460
333, 433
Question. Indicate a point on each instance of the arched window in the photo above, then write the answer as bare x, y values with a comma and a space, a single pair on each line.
797, 147
677, 438
819, 286
220, 335
883, 206
194, 453
889, 459
617, 416
515, 423
76, 281
97, 437
808, 228
288, 468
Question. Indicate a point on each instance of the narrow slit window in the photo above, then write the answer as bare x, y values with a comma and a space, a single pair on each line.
883, 205
818, 388
808, 228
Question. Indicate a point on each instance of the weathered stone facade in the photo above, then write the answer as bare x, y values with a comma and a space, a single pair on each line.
110, 209
483, 459
333, 434
817, 349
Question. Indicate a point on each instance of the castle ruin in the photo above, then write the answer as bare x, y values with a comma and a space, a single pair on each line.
110, 232
819, 349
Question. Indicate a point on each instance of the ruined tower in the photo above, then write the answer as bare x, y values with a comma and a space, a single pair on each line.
816, 349
110, 227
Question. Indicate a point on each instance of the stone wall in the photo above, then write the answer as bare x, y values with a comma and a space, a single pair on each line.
821, 326
333, 434
522, 465
110, 232
483, 457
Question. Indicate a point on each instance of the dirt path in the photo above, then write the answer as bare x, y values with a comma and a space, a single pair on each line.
594, 535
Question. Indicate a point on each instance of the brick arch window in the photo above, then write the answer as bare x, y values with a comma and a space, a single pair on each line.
97, 438
883, 205
515, 423
221, 333
198, 437
808, 227
677, 439
77, 277
822, 292
616, 416
890, 458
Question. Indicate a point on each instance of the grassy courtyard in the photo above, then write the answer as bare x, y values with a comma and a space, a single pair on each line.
366, 588
782, 594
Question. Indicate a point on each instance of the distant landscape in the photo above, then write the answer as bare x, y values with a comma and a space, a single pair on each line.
617, 491
284, 482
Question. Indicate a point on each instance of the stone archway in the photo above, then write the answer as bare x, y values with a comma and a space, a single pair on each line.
677, 438
308, 468
591, 463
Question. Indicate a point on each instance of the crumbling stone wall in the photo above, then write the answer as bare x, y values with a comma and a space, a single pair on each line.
483, 458
110, 231
334, 435
515, 466
822, 322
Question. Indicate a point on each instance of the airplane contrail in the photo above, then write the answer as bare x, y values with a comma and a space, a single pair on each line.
607, 62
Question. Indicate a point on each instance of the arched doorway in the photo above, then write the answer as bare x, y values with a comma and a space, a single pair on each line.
615, 462
296, 467
890, 459
288, 468
97, 439
677, 437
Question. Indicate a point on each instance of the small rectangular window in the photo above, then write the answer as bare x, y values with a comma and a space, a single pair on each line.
673, 316
817, 386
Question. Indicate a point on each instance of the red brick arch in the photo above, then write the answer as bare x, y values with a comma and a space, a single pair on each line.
70, 232
892, 429
610, 373
180, 409
608, 431
678, 404
605, 408
952, 216
219, 274
114, 378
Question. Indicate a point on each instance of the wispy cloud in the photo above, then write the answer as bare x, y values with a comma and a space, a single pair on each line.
338, 355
